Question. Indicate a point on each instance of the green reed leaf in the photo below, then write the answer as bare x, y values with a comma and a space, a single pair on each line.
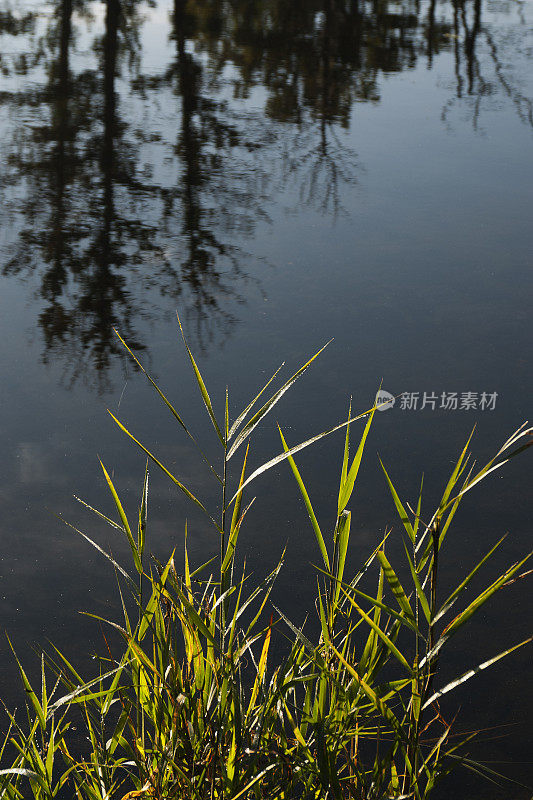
202, 386
395, 585
282, 456
166, 471
474, 671
307, 501
125, 523
351, 477
269, 405
399, 506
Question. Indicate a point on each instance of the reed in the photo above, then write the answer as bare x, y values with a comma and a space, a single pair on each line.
181, 713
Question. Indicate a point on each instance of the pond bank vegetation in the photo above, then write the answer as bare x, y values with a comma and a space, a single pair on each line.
200, 706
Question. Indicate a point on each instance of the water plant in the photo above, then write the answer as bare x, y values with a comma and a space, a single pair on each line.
193, 708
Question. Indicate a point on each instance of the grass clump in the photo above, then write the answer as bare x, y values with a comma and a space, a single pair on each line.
194, 709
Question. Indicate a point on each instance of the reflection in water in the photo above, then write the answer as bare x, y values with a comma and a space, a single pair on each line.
111, 201
472, 85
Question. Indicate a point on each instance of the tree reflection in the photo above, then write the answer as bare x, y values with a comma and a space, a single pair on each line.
73, 231
473, 85
115, 204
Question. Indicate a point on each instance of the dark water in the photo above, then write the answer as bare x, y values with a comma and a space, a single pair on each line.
280, 172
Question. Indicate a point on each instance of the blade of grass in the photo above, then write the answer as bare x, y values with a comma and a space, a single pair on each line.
124, 519
201, 386
351, 477
474, 671
170, 407
250, 405
307, 501
282, 456
166, 471
269, 405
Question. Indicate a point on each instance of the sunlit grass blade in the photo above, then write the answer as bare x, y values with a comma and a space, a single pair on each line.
29, 690
236, 519
143, 514
462, 618
377, 604
399, 506
308, 505
261, 667
418, 587
124, 520
202, 386
302, 638
471, 672
243, 414
378, 704
109, 557
481, 599
492, 466
282, 456
384, 638
99, 514
166, 471
418, 508
344, 524
396, 586
154, 600
364, 666
464, 584
226, 416
80, 693
269, 405
168, 405
458, 469
351, 477
346, 454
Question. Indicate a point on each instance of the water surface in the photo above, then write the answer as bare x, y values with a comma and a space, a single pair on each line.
282, 173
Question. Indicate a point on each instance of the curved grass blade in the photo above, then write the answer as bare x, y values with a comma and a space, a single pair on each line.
399, 506
384, 638
491, 466
471, 672
250, 405
395, 585
474, 606
28, 688
282, 456
103, 552
354, 469
201, 386
125, 522
165, 470
307, 501
169, 406
269, 405
463, 585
